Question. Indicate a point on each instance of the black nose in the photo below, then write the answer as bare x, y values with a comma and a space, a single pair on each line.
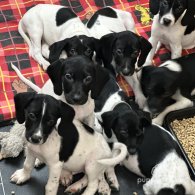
36, 139
166, 21
76, 98
132, 150
126, 72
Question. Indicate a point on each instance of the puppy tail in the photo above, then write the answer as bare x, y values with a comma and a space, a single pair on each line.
23, 34
116, 159
25, 80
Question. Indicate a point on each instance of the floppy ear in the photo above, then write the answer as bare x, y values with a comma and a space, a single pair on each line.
67, 115
145, 49
100, 79
55, 74
108, 121
56, 49
106, 50
188, 19
154, 6
21, 101
145, 118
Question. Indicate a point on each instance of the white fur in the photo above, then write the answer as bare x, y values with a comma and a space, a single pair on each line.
105, 25
91, 155
171, 36
172, 66
170, 171
40, 25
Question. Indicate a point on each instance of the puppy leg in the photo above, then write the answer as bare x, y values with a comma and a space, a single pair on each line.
77, 186
176, 50
103, 187
36, 48
180, 104
22, 175
135, 84
65, 177
38, 163
112, 179
45, 50
53, 181
154, 41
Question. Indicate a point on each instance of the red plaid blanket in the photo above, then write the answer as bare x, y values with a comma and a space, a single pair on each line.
13, 49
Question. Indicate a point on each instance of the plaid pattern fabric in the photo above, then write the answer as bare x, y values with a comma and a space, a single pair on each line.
13, 49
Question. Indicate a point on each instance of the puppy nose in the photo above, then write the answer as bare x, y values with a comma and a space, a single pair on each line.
166, 21
77, 97
126, 71
36, 138
132, 150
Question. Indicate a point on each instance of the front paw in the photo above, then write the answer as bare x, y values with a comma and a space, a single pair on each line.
20, 176
158, 120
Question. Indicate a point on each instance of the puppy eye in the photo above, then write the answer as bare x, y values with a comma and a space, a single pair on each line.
73, 52
32, 116
119, 52
88, 79
165, 3
88, 52
68, 77
50, 123
124, 133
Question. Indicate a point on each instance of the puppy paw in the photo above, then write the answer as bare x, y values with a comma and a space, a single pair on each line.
38, 163
20, 176
66, 178
157, 120
103, 188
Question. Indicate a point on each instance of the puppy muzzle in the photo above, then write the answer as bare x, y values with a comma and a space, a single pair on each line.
36, 139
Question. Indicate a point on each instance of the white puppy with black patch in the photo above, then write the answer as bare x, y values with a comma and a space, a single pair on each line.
46, 24
69, 148
173, 25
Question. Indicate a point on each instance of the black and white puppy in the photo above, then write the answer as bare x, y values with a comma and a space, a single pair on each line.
76, 45
169, 86
120, 118
76, 81
158, 159
173, 25
63, 149
46, 24
107, 20
122, 53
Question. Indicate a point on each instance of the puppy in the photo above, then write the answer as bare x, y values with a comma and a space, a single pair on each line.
107, 20
173, 25
122, 53
76, 45
62, 149
121, 119
76, 81
46, 24
169, 86
158, 159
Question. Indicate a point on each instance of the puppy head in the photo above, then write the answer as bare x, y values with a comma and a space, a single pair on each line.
169, 10
77, 77
159, 88
125, 49
127, 126
77, 45
40, 114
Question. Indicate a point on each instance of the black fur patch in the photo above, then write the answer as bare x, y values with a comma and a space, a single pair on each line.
89, 129
178, 190
63, 15
109, 12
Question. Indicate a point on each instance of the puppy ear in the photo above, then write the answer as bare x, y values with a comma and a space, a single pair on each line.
67, 114
188, 19
106, 49
108, 120
100, 79
145, 118
96, 45
56, 49
154, 6
55, 74
145, 49
21, 101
